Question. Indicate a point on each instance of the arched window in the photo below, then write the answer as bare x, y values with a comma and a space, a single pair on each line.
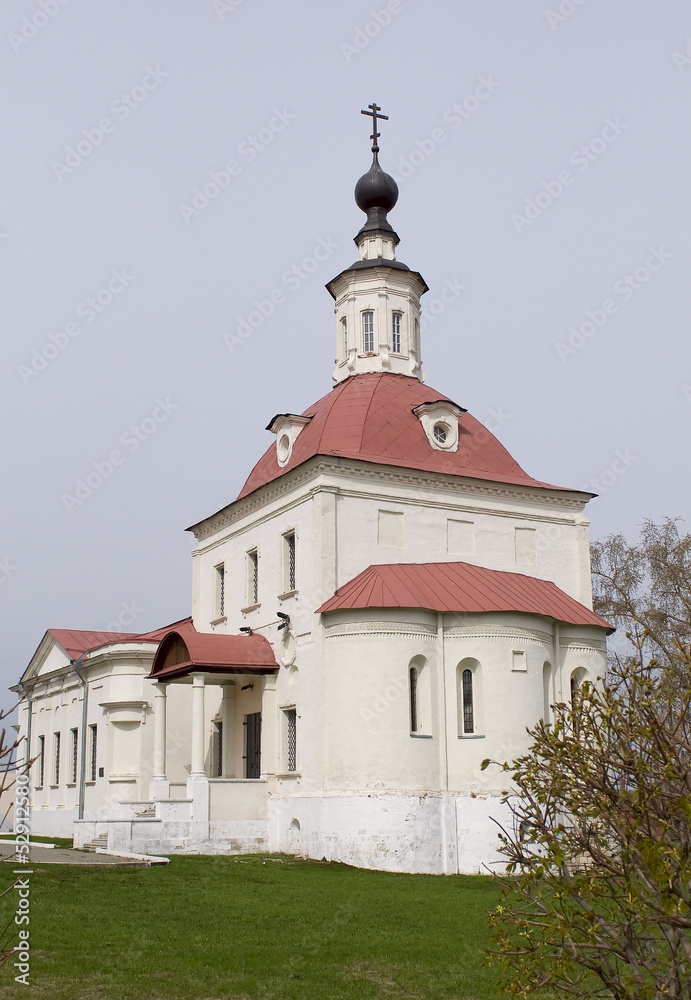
420, 696
577, 677
468, 720
546, 691
468, 697
414, 676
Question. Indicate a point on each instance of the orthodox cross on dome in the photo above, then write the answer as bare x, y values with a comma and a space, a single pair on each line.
374, 115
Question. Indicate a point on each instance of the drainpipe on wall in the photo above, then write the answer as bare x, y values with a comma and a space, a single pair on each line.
27, 695
82, 762
558, 685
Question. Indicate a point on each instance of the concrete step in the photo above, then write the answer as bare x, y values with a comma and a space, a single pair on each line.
101, 841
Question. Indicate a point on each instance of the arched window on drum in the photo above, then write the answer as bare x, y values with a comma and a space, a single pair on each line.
469, 697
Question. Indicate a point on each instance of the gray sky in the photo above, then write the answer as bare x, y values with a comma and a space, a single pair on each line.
542, 150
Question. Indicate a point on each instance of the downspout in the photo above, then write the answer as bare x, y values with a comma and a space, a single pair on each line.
82, 761
558, 685
444, 750
27, 695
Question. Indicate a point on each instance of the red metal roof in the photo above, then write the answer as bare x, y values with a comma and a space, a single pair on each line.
459, 586
370, 417
213, 651
76, 641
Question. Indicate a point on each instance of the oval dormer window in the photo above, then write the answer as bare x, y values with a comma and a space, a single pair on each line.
283, 448
441, 433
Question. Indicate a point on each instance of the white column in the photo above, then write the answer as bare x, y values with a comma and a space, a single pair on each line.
228, 716
159, 787
197, 764
269, 746
198, 782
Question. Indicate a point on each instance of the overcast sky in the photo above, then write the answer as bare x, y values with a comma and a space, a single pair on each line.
170, 164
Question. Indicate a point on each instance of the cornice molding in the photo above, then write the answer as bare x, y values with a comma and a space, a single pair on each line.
389, 628
356, 469
495, 632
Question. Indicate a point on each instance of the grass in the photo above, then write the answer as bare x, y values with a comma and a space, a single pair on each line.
258, 927
58, 841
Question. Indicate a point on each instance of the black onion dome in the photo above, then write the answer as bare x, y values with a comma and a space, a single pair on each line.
376, 189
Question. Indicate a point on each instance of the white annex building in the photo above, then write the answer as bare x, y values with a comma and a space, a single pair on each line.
390, 600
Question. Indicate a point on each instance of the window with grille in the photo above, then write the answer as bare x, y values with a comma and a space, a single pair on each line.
468, 721
368, 331
252, 577
289, 564
56, 758
219, 749
397, 333
93, 736
219, 591
413, 700
344, 336
291, 739
74, 741
41, 759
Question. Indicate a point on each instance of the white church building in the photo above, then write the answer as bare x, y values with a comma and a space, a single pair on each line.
389, 600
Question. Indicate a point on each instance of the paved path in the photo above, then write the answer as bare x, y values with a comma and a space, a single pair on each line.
66, 856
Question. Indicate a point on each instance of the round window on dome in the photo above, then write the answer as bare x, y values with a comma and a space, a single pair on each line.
283, 448
441, 433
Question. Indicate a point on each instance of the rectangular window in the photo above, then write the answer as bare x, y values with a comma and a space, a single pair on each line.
289, 573
344, 336
368, 331
74, 738
252, 578
93, 754
41, 759
219, 591
291, 739
56, 758
219, 750
253, 743
397, 333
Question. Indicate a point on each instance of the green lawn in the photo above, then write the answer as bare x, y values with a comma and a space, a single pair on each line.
206, 928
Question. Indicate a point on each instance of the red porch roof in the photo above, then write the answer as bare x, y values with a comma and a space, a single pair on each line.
184, 650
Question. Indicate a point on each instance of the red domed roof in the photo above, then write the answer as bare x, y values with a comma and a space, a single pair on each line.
370, 417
